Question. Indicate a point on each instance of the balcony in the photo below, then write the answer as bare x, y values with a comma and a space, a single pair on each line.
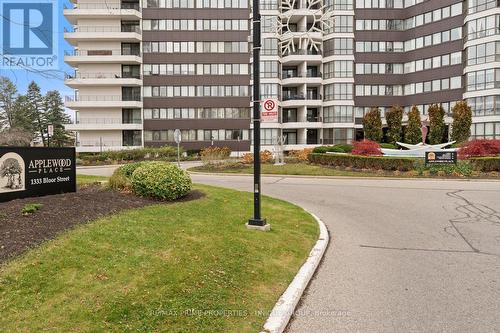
95, 146
101, 79
294, 78
103, 10
103, 124
294, 57
291, 100
125, 57
125, 34
103, 101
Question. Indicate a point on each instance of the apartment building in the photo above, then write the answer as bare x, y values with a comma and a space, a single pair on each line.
145, 69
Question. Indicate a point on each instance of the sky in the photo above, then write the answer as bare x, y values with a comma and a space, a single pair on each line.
22, 78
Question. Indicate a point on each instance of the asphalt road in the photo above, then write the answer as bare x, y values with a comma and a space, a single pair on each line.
405, 255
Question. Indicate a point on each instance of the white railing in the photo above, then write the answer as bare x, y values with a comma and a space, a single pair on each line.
106, 121
102, 53
107, 29
109, 6
100, 76
103, 98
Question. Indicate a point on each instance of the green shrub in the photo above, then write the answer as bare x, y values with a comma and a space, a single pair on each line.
486, 164
363, 162
388, 146
29, 209
120, 180
347, 148
161, 181
338, 148
460, 169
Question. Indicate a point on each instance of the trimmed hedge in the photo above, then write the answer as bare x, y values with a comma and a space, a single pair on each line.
161, 181
162, 153
486, 164
338, 148
363, 162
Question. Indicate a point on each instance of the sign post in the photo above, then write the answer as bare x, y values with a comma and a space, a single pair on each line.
50, 133
178, 138
257, 222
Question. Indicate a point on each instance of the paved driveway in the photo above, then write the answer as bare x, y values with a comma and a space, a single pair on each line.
405, 255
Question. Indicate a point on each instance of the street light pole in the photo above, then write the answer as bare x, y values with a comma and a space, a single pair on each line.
257, 220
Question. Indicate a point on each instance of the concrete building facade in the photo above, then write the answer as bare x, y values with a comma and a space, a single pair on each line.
144, 69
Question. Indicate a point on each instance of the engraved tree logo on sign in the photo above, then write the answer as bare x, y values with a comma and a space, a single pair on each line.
11, 173
294, 39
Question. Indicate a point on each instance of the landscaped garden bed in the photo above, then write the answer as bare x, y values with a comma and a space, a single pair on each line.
188, 266
20, 230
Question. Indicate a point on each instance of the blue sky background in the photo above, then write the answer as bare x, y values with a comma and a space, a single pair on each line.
22, 78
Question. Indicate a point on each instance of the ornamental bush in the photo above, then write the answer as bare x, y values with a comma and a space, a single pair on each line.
160, 180
265, 157
437, 126
412, 130
366, 148
213, 153
372, 125
338, 148
120, 180
301, 155
394, 118
479, 148
462, 121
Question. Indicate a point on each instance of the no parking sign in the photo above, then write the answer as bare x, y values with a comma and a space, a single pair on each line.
269, 110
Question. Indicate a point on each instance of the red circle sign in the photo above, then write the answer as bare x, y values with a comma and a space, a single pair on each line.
269, 105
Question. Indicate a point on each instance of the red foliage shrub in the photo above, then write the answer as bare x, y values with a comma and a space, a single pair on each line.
479, 148
366, 148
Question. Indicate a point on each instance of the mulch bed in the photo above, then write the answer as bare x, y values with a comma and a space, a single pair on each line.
60, 212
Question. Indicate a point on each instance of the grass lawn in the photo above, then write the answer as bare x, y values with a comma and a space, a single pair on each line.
139, 271
87, 179
301, 169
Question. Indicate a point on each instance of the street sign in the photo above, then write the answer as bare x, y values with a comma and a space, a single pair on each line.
177, 136
50, 130
440, 157
269, 110
178, 139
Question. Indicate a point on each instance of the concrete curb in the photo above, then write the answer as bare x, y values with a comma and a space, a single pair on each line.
342, 177
285, 307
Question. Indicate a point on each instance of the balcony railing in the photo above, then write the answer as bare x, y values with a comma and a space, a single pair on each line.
101, 76
288, 75
106, 5
302, 52
123, 28
102, 53
288, 97
483, 6
103, 98
106, 121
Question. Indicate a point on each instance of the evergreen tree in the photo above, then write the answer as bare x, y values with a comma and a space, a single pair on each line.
372, 125
462, 121
394, 118
35, 103
412, 132
55, 115
8, 93
22, 118
437, 126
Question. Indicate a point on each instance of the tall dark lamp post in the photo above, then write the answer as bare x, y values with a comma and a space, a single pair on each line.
257, 222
